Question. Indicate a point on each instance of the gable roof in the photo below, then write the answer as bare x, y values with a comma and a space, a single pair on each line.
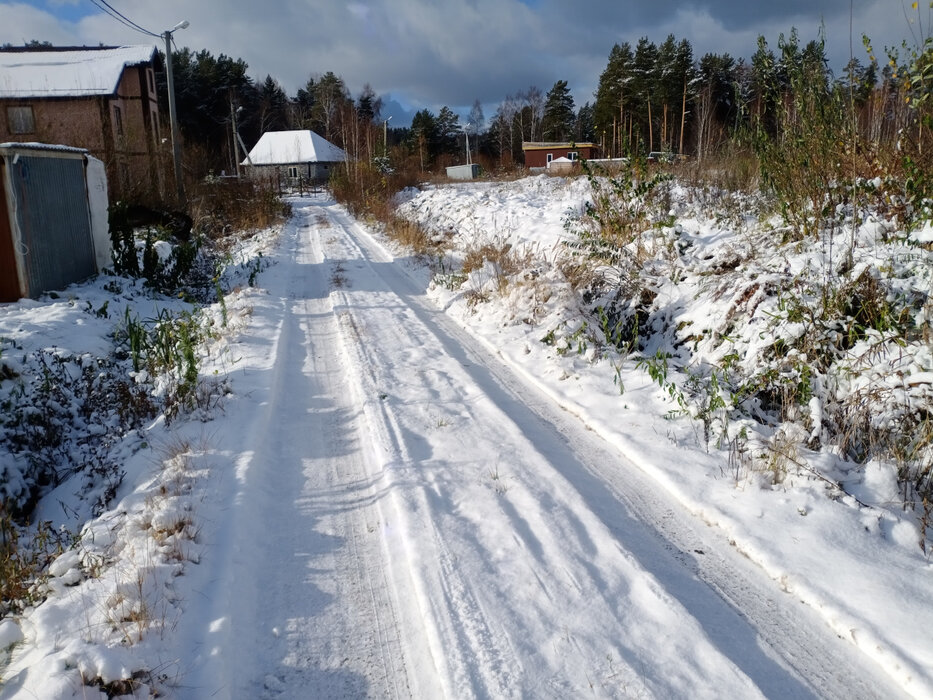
289, 147
67, 72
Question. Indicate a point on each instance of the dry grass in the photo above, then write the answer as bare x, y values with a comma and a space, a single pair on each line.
733, 169
24, 561
412, 235
221, 207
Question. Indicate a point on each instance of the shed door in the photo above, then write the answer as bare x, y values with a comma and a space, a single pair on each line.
52, 215
9, 278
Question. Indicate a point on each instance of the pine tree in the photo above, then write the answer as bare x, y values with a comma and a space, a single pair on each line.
448, 131
613, 99
645, 95
559, 118
424, 136
304, 105
584, 130
368, 105
205, 86
273, 106
715, 102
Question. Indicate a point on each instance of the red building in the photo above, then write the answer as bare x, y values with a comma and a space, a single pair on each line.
539, 153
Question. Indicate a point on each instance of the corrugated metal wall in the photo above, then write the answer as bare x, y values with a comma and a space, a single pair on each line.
51, 210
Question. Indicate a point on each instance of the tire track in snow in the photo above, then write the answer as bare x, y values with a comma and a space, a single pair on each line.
461, 623
781, 645
300, 603
481, 657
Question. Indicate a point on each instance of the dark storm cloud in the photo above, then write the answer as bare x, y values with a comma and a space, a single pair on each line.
436, 52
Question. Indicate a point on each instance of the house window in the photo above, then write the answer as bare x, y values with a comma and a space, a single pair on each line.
118, 120
150, 78
20, 120
573, 155
550, 157
293, 171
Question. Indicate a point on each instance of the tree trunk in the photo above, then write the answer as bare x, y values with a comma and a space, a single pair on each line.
683, 119
650, 129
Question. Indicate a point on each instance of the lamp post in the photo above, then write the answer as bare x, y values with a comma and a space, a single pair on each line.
385, 136
466, 132
176, 145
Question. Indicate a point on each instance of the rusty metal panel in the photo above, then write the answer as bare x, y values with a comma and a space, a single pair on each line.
51, 215
9, 276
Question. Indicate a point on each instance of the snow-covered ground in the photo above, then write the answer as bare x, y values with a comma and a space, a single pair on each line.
425, 488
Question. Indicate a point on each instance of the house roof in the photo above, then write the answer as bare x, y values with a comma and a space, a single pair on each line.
544, 145
290, 147
67, 73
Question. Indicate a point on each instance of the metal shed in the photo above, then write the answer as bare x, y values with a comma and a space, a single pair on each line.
464, 172
51, 233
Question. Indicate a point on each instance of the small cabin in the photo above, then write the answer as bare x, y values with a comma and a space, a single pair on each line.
539, 154
294, 157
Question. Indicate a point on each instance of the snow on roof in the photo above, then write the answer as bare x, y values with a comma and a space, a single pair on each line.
35, 146
301, 146
67, 73
539, 145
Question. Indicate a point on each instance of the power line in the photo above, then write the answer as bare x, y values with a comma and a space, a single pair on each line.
108, 9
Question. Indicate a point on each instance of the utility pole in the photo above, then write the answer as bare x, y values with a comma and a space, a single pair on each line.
176, 144
236, 146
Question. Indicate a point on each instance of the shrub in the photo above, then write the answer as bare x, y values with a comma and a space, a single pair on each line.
804, 161
609, 231
220, 207
24, 561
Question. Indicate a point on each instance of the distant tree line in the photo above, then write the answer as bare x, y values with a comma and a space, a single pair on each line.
650, 97
660, 98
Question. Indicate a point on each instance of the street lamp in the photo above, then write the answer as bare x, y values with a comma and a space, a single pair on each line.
176, 145
466, 132
385, 136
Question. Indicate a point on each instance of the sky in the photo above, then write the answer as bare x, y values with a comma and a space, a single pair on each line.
430, 53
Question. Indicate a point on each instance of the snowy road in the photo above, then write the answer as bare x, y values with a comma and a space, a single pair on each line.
409, 519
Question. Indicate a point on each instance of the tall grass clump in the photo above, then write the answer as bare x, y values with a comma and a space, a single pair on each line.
608, 238
805, 155
25, 555
221, 207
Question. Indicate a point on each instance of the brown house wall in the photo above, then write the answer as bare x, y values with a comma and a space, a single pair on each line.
132, 159
537, 158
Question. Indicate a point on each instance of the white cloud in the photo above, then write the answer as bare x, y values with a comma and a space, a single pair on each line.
434, 52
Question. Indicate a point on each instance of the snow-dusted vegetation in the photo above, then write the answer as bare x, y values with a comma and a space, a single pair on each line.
658, 430
788, 380
703, 351
92, 378
794, 355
